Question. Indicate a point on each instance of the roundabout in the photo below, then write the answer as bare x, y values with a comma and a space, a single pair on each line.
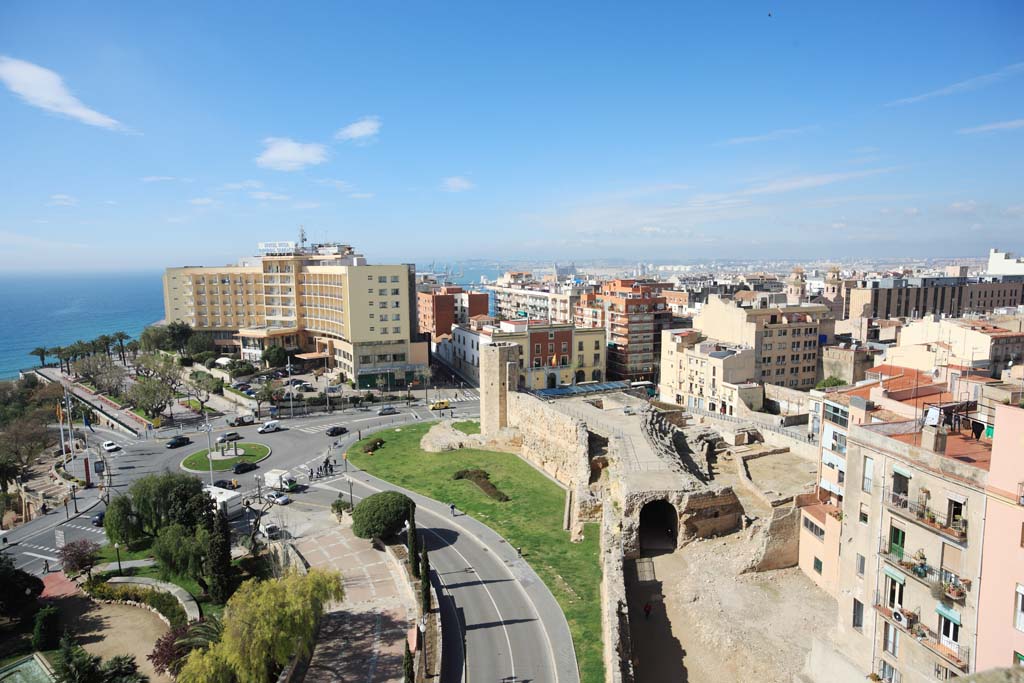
199, 462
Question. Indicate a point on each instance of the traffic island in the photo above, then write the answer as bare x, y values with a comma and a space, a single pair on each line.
199, 462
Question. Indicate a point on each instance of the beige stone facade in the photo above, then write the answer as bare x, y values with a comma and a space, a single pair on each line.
325, 300
706, 374
785, 339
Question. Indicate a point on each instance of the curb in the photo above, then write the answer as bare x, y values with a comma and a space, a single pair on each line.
181, 465
505, 561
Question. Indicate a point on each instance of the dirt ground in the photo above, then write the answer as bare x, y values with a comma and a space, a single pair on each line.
109, 630
715, 625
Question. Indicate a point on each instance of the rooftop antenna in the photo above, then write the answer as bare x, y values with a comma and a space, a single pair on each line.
302, 237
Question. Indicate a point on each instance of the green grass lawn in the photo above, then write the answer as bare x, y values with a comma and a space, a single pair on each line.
532, 519
137, 551
468, 426
194, 405
249, 452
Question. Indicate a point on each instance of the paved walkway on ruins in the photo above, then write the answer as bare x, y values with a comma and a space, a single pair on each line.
363, 637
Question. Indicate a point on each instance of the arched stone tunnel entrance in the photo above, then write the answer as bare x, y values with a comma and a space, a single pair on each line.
659, 526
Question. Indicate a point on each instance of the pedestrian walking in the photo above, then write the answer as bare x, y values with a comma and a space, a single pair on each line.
46, 566
451, 507
310, 472
519, 551
647, 610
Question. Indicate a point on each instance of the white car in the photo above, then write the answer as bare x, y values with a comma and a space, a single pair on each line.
110, 446
278, 498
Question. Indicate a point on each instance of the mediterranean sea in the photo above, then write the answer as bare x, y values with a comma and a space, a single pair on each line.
58, 309
50, 309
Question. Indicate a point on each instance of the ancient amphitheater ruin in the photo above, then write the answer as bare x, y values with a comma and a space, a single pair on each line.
650, 478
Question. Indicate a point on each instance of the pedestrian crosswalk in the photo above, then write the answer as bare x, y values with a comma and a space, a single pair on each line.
82, 527
36, 546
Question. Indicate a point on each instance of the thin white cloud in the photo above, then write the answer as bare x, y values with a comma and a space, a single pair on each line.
110, 202
779, 134
911, 211
361, 195
244, 185
202, 201
270, 196
45, 89
964, 86
306, 205
810, 181
342, 185
63, 200
15, 239
456, 183
364, 129
285, 154
990, 127
157, 178
968, 206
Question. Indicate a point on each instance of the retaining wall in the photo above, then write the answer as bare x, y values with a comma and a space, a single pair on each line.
618, 650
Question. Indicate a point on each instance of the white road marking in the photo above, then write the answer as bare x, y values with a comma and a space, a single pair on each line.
42, 557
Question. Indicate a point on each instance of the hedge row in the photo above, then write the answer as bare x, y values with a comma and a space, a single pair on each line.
164, 603
483, 480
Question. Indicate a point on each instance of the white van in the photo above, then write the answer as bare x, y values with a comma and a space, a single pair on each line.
269, 426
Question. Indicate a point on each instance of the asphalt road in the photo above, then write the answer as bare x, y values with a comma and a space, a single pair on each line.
514, 630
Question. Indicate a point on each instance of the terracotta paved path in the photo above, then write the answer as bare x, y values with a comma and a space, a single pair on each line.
361, 639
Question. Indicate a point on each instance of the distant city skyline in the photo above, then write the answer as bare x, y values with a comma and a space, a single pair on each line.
146, 137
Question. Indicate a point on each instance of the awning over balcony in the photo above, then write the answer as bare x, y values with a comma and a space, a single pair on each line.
898, 577
313, 355
950, 614
903, 471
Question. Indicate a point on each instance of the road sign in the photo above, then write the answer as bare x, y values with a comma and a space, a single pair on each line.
59, 537
98, 467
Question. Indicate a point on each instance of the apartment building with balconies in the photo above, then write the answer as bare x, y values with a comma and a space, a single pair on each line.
439, 308
786, 339
321, 302
706, 374
913, 553
553, 355
517, 298
634, 313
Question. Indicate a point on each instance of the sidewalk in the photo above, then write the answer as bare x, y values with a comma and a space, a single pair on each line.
363, 637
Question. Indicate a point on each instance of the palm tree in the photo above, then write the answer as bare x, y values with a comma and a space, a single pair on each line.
103, 343
133, 346
61, 353
40, 351
121, 338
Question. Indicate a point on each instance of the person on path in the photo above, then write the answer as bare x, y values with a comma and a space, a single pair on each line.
647, 610
310, 472
451, 507
519, 551
46, 566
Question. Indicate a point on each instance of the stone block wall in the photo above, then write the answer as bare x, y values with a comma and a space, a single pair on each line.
618, 650
711, 513
779, 541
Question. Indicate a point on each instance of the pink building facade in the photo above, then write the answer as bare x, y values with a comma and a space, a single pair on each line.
1001, 600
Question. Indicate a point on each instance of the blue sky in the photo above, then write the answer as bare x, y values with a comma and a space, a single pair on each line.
137, 135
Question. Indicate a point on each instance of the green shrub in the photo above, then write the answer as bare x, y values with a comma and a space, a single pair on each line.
373, 445
164, 603
483, 480
45, 632
380, 515
186, 361
340, 506
210, 363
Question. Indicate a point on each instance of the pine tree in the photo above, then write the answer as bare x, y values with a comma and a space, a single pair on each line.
412, 541
425, 581
219, 559
408, 666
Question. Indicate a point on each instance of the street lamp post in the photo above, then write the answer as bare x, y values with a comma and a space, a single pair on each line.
209, 445
291, 390
74, 499
423, 639
117, 549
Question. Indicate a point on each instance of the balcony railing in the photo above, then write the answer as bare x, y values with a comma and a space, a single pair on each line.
955, 528
909, 621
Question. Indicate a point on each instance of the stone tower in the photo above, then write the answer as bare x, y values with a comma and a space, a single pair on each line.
499, 374
796, 287
833, 292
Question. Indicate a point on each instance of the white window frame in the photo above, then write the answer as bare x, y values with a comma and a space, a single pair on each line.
1018, 612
